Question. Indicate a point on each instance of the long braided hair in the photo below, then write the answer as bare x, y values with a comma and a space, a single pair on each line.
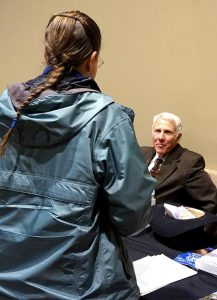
70, 38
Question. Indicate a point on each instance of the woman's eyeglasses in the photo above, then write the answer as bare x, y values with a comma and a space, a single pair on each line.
100, 62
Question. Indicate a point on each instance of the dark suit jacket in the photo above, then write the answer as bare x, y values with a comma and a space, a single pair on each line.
182, 179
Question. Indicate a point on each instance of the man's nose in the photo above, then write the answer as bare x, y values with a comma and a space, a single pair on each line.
161, 135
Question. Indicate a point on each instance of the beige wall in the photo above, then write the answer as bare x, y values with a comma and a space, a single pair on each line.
160, 55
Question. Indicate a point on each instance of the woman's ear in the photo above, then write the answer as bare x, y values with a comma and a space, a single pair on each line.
89, 66
93, 60
92, 64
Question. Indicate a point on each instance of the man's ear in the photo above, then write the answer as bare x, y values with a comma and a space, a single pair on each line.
179, 137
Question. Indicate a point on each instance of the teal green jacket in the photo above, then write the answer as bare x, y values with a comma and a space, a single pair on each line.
73, 181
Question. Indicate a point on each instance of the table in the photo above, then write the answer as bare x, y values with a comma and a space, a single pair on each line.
191, 288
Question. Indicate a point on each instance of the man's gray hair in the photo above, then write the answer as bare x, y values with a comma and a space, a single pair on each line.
171, 117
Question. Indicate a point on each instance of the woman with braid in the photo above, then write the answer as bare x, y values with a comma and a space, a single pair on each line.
73, 178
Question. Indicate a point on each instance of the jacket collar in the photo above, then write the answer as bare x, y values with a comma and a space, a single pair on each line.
70, 80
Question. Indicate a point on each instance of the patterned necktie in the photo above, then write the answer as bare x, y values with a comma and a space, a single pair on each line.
154, 171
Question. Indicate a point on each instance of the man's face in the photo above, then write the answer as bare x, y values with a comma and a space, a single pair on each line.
164, 136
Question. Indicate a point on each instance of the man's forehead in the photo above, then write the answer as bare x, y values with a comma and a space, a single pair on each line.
165, 123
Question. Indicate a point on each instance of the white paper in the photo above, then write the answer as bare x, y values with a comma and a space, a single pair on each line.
154, 272
178, 212
208, 262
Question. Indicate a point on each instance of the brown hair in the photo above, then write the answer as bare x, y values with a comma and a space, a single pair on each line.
70, 38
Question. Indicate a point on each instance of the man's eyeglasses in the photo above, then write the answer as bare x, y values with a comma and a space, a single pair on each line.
100, 62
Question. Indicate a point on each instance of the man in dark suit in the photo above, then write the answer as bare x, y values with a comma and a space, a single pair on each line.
181, 176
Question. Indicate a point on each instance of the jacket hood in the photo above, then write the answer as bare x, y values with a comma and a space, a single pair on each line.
55, 115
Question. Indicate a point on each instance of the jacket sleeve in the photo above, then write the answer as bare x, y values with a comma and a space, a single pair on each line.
126, 181
199, 185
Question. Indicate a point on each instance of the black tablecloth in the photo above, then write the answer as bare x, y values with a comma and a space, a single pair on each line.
191, 288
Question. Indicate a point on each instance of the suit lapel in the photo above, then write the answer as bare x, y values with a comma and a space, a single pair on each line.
165, 171
169, 165
149, 153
